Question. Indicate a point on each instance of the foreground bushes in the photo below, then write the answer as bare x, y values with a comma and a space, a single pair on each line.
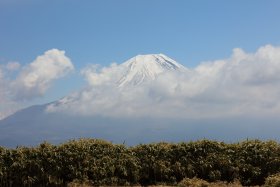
98, 162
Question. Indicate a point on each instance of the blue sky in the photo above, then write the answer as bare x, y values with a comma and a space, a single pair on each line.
106, 31
102, 32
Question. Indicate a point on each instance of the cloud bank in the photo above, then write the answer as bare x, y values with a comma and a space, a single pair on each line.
32, 80
243, 84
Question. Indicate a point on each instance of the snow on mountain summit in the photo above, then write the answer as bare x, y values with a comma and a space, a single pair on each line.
143, 68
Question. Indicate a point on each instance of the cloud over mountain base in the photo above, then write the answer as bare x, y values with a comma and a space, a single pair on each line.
245, 84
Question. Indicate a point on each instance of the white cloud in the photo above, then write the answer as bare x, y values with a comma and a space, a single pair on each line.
243, 84
105, 76
32, 80
35, 79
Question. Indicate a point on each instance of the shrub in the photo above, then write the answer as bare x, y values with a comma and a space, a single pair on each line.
194, 182
272, 181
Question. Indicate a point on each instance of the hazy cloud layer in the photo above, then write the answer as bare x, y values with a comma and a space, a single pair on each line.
243, 84
32, 80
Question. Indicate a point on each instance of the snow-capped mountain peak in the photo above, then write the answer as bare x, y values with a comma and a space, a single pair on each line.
142, 68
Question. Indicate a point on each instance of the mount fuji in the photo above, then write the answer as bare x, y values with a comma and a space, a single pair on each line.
36, 124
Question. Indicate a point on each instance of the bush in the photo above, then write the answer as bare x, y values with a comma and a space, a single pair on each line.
194, 182
272, 181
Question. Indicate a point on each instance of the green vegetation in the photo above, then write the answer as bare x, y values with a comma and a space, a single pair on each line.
97, 162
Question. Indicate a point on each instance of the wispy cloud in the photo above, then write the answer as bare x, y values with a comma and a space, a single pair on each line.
12, 66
